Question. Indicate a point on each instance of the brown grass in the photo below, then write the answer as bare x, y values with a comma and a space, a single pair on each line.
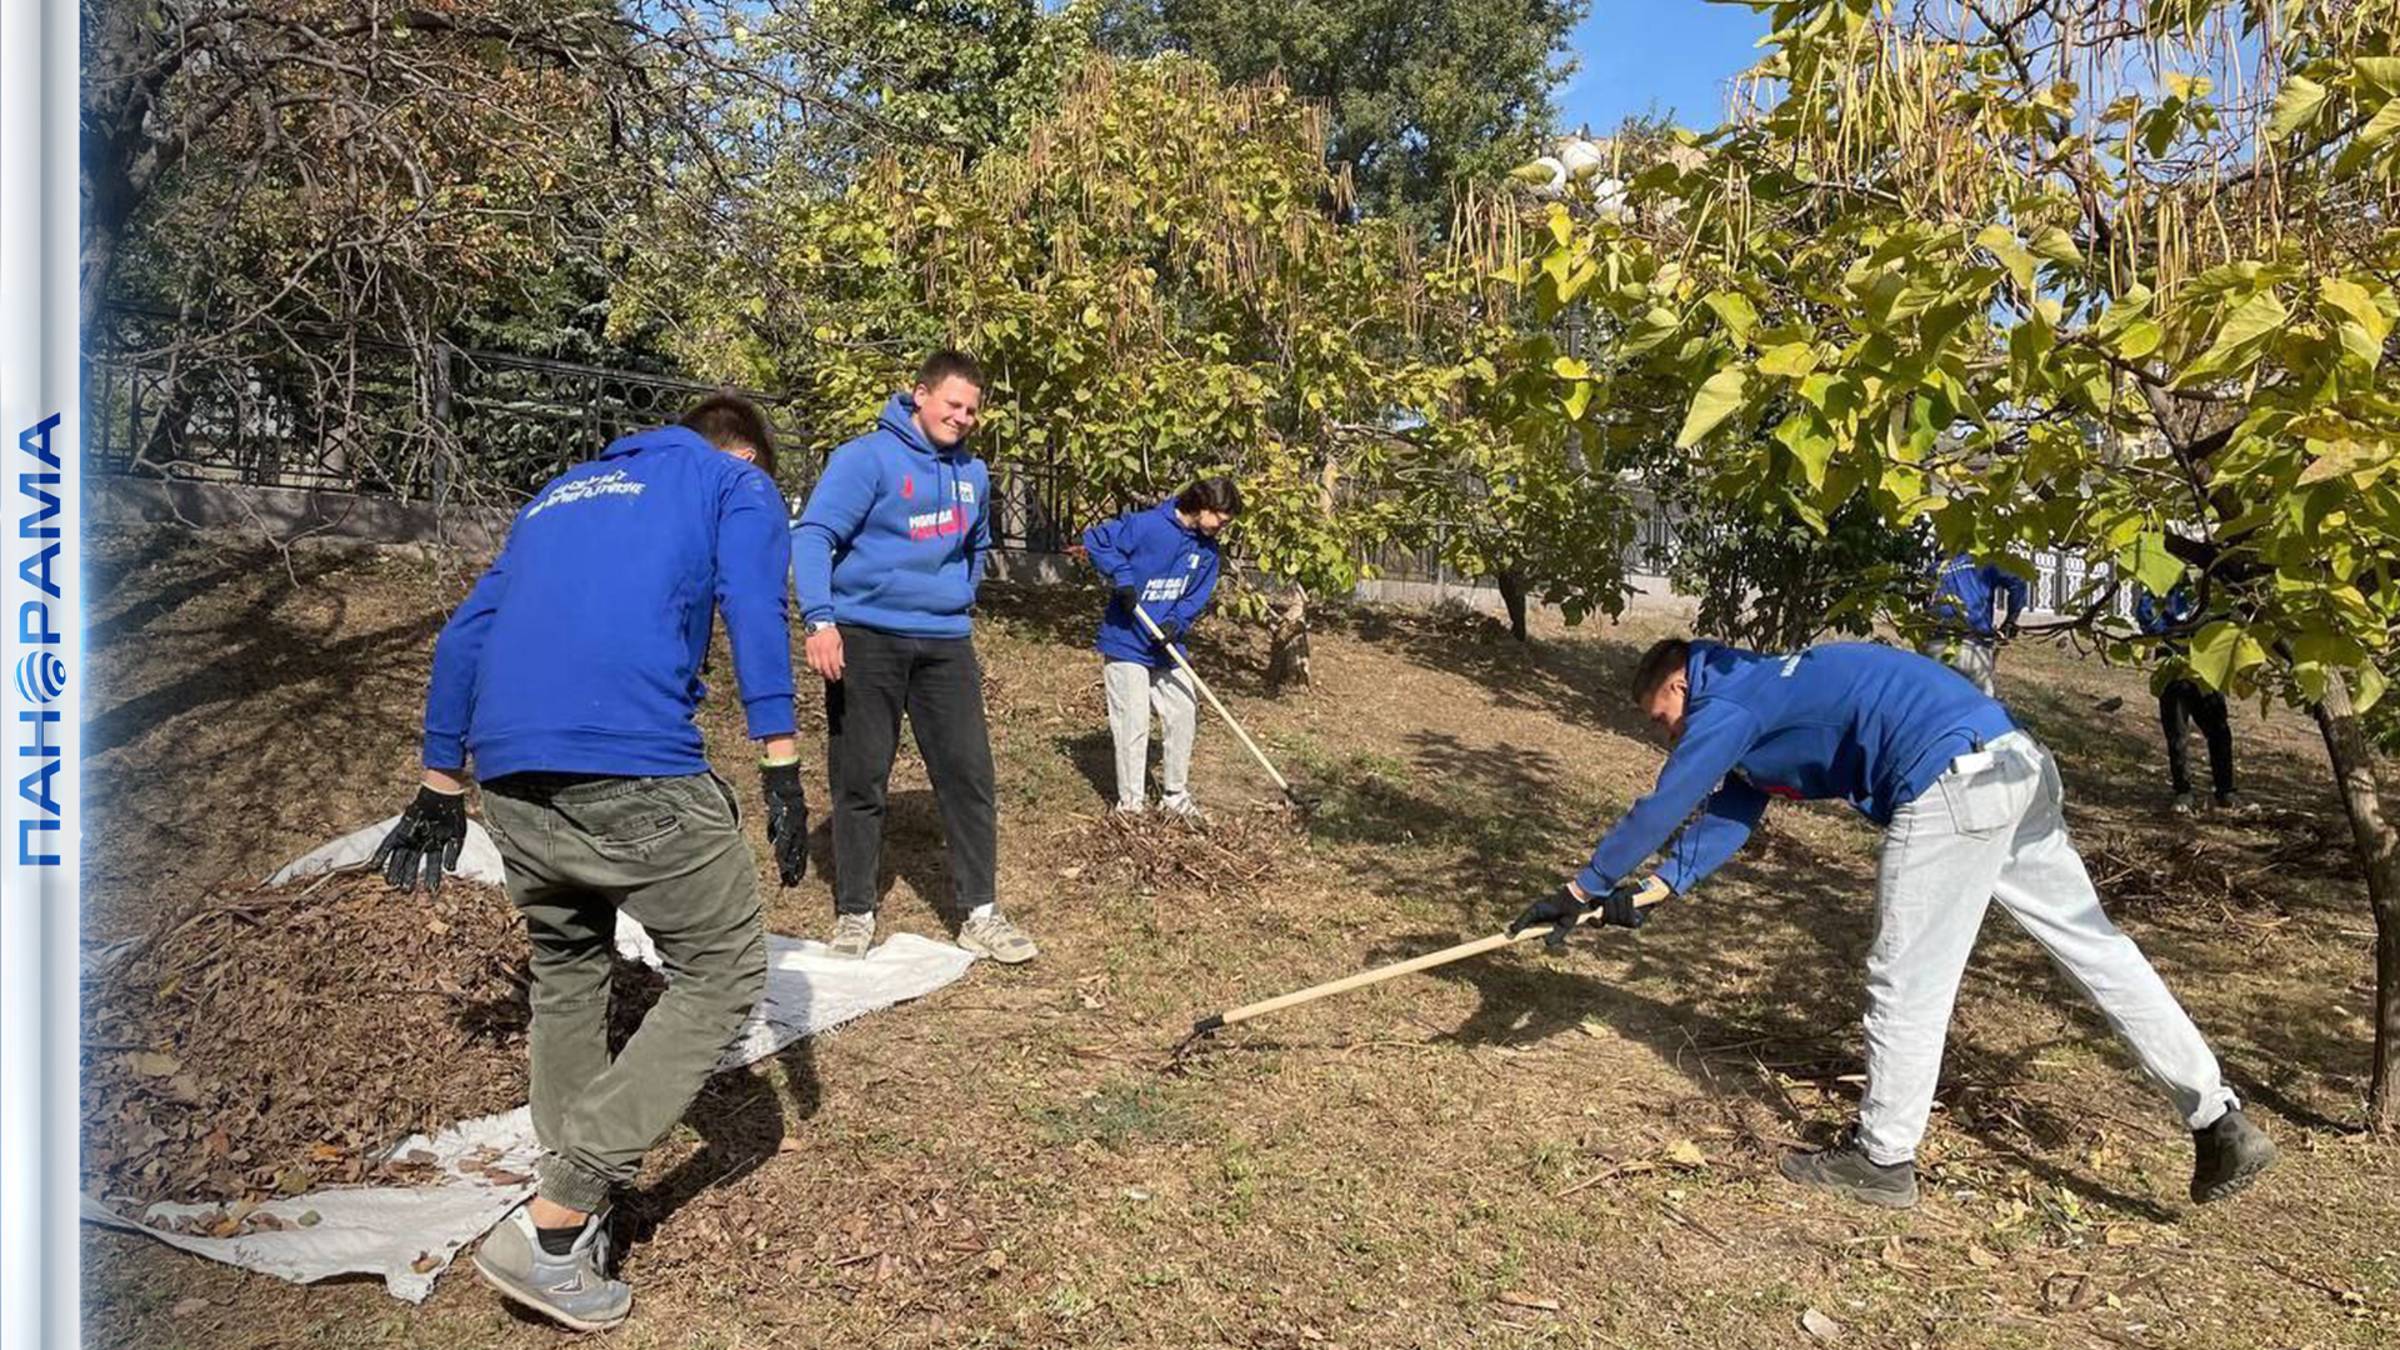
1520, 1150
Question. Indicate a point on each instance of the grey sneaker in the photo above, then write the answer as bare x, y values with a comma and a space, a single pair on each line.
1845, 1170
2228, 1155
852, 935
2184, 804
994, 936
572, 1290
1181, 807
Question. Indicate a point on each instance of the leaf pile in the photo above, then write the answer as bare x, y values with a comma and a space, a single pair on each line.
259, 1043
1230, 855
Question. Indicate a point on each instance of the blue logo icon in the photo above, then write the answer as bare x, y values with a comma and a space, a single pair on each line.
41, 677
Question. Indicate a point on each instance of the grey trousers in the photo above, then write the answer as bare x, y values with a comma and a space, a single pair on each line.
1991, 829
1135, 691
670, 852
1975, 658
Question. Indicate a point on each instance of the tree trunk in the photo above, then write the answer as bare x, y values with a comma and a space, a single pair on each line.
2378, 845
1287, 659
1512, 595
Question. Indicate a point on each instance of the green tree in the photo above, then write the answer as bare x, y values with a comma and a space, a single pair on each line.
1150, 280
1423, 94
2034, 274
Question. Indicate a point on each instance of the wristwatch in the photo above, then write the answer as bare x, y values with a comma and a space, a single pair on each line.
816, 626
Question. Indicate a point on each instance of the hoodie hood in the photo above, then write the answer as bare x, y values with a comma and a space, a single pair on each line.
1713, 663
899, 417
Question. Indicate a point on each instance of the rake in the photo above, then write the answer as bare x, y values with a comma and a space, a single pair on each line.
1651, 894
1303, 802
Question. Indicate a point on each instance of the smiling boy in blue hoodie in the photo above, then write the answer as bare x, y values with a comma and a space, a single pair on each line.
568, 678
886, 558
1970, 808
1163, 560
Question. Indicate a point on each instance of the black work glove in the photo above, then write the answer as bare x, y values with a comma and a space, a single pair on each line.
1559, 907
1617, 908
1170, 630
787, 819
425, 843
1128, 597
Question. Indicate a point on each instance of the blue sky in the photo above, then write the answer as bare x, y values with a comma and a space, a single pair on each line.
1664, 54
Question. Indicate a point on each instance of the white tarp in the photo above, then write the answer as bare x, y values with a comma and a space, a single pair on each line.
409, 1234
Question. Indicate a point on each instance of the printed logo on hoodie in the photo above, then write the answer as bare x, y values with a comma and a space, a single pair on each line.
616, 482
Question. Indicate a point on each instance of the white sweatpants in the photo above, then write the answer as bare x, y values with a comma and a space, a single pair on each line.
1990, 829
1135, 691
1975, 658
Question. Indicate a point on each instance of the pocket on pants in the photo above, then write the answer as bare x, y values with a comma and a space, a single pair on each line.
627, 821
1985, 792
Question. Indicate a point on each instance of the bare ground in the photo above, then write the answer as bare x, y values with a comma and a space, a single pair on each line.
1518, 1150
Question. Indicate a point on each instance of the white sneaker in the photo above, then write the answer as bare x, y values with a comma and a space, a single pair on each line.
994, 936
853, 934
574, 1290
1182, 808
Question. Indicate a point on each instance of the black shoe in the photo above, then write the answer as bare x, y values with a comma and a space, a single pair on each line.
1845, 1170
2228, 1155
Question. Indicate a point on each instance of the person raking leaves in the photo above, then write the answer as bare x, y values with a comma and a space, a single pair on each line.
1970, 806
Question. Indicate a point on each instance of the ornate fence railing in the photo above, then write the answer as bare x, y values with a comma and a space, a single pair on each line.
383, 418
378, 418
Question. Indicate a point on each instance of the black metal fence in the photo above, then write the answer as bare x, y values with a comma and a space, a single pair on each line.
387, 419
457, 424
353, 414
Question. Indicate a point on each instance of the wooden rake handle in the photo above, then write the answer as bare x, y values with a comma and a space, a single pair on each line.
1205, 692
1651, 894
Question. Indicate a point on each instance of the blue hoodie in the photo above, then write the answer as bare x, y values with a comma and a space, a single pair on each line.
2156, 616
579, 650
1870, 724
1965, 593
896, 533
1174, 569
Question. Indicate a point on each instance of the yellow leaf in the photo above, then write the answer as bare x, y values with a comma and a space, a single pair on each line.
2296, 105
1791, 360
1685, 1153
1716, 401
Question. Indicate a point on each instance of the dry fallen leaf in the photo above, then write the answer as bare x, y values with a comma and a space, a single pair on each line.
151, 1063
424, 1263
1685, 1153
1518, 1300
1981, 1258
1820, 1326
995, 1261
185, 1307
2122, 1235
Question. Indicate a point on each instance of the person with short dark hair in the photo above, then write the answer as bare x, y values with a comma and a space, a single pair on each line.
1163, 560
1970, 805
1967, 638
2183, 697
737, 426
886, 557
569, 677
